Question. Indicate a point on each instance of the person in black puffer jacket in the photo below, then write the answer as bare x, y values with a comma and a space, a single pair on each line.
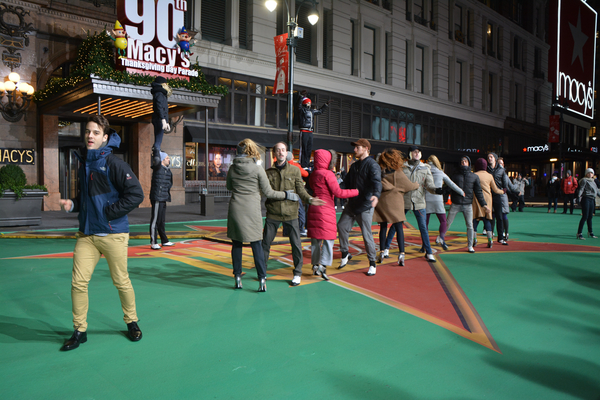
469, 183
160, 115
160, 193
553, 190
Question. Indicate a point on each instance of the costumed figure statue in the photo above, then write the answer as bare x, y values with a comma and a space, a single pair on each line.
120, 39
160, 114
306, 123
185, 41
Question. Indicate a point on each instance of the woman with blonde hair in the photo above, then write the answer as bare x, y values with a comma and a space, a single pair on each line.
246, 180
390, 208
435, 202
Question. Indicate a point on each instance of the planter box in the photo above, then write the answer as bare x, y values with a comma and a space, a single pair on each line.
24, 211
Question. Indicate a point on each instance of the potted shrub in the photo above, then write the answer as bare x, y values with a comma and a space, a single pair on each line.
20, 204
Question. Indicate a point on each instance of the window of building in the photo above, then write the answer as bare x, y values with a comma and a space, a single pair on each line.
213, 17
458, 88
304, 49
224, 108
327, 42
517, 101
353, 61
517, 55
490, 40
458, 23
537, 63
419, 69
490, 94
536, 107
385, 4
368, 44
419, 12
243, 24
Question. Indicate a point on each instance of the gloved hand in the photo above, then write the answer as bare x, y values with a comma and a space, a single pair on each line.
291, 195
439, 190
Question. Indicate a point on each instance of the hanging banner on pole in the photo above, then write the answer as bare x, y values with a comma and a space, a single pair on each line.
282, 60
554, 133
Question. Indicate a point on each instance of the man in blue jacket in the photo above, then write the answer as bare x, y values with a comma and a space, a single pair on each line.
108, 191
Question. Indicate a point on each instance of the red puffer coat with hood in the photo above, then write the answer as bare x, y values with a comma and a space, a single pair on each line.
321, 222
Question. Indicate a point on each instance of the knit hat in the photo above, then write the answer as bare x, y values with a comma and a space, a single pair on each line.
480, 164
413, 148
163, 155
160, 79
587, 171
569, 172
240, 150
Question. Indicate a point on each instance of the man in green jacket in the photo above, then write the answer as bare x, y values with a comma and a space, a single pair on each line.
286, 178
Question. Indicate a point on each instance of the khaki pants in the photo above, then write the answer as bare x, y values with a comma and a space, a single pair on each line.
88, 250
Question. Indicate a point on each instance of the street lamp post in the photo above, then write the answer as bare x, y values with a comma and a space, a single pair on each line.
292, 24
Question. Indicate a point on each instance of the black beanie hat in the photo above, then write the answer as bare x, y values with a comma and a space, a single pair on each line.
160, 79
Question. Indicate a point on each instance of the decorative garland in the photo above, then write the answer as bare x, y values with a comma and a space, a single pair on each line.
96, 56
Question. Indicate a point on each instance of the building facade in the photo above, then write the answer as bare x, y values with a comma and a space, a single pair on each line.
453, 76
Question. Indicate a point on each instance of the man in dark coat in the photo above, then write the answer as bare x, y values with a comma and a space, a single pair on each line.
160, 193
364, 175
469, 183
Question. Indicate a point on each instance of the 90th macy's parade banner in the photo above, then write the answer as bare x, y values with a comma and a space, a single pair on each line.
151, 38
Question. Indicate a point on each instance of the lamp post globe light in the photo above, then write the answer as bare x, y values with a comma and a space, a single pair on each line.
292, 24
18, 96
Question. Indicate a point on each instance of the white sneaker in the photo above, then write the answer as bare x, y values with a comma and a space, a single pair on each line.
304, 233
379, 257
342, 207
471, 249
155, 247
430, 257
168, 244
438, 240
316, 270
345, 261
336, 207
484, 232
372, 271
296, 280
386, 253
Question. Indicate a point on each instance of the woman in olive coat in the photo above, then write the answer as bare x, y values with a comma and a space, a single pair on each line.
390, 207
246, 180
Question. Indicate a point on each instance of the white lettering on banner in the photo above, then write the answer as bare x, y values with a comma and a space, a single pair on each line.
537, 148
574, 88
152, 26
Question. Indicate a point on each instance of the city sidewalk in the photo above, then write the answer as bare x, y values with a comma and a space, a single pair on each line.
139, 216
185, 213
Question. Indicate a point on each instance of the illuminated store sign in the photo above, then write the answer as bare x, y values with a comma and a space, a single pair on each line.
536, 149
574, 49
152, 28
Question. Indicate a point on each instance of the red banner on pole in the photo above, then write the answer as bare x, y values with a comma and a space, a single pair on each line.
554, 133
282, 59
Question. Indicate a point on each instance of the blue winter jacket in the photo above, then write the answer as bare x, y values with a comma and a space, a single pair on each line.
108, 191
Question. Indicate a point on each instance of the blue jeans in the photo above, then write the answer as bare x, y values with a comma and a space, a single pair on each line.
587, 212
421, 216
385, 237
552, 200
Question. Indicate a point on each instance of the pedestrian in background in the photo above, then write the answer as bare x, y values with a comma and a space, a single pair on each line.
587, 193
569, 186
394, 184
435, 202
552, 190
160, 194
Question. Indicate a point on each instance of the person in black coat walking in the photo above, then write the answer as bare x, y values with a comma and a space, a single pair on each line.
552, 190
469, 183
160, 193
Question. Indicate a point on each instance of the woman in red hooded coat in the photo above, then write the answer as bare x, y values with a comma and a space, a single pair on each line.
322, 221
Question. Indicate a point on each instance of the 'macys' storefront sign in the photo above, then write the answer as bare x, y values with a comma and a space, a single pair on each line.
153, 46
